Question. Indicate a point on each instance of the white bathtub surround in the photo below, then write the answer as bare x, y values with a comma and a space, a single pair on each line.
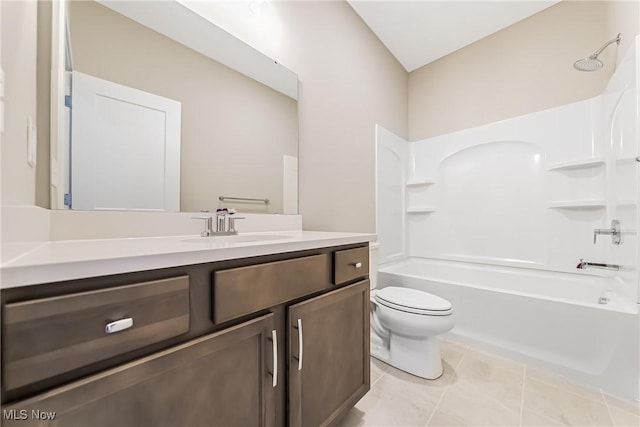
392, 154
526, 191
551, 319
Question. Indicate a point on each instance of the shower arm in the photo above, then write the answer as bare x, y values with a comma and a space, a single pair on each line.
604, 46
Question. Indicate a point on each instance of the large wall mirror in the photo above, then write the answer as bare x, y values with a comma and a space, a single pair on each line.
158, 118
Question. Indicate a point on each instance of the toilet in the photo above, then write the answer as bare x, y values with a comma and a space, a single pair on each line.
405, 324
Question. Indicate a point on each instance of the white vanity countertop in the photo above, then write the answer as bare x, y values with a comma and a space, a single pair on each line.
30, 264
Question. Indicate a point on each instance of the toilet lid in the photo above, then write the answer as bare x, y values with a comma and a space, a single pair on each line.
413, 301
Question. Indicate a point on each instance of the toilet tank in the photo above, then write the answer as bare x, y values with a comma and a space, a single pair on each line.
374, 248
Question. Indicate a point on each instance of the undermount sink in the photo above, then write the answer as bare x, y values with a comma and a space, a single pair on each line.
238, 238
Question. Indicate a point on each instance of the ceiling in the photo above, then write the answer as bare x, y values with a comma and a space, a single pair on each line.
421, 31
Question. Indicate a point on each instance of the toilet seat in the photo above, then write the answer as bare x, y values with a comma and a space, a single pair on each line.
413, 301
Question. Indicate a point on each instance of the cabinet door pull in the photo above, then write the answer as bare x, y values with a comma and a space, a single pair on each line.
356, 264
119, 325
300, 344
274, 372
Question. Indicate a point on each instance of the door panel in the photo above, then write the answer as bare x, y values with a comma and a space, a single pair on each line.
332, 331
125, 147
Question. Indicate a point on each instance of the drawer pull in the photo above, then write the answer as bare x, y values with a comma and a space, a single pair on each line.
274, 341
119, 325
357, 264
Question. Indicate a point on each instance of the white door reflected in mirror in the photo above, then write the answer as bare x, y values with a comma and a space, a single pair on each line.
125, 148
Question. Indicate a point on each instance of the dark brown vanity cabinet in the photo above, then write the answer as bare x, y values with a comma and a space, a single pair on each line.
274, 340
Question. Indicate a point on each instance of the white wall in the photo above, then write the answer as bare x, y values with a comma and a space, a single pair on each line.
18, 26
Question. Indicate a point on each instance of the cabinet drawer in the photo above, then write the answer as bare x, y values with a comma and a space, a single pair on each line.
220, 379
46, 337
350, 264
245, 290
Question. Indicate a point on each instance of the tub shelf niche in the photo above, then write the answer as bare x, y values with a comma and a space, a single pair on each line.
420, 182
421, 210
577, 204
592, 162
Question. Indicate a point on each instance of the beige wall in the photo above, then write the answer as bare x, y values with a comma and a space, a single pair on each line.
348, 82
19, 21
524, 68
235, 131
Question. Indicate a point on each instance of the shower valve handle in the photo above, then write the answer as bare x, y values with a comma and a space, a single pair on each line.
614, 232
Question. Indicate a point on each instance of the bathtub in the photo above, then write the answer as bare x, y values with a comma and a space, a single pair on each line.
551, 319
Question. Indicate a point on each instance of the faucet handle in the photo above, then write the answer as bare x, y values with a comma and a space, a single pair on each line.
232, 223
208, 225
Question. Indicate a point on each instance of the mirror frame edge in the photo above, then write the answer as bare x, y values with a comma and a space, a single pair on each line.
56, 130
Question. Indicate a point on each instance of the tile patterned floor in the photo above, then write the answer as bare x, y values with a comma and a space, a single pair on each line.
482, 389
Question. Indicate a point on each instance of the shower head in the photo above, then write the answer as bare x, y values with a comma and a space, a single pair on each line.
592, 63
588, 64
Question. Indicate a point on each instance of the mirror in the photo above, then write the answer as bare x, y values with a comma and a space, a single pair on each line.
163, 125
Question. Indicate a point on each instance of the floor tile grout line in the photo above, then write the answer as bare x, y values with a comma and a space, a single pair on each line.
381, 375
524, 381
613, 421
573, 392
435, 408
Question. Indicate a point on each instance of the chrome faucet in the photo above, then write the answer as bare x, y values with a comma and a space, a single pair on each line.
221, 220
583, 265
222, 229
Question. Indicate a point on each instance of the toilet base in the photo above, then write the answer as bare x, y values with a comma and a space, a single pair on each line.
417, 357
379, 348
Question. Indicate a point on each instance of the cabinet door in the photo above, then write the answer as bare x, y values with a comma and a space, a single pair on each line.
222, 379
328, 355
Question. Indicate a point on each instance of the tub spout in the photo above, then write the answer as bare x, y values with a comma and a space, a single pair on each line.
583, 265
